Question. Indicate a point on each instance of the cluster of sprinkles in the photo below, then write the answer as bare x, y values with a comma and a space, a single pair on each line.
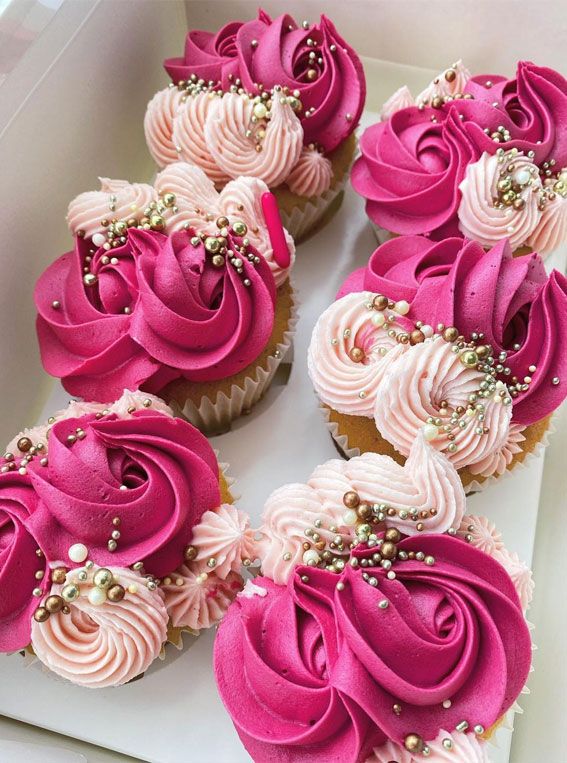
497, 384
385, 554
516, 179
222, 251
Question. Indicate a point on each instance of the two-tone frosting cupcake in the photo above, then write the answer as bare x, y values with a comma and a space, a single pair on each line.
119, 534
479, 156
269, 99
445, 338
175, 289
366, 640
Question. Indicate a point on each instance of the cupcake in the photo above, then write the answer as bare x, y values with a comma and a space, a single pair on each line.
367, 640
483, 157
267, 99
119, 534
174, 289
445, 338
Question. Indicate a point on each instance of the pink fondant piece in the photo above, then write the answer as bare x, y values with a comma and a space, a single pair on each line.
276, 230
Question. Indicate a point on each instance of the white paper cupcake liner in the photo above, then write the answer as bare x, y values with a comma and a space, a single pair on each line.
341, 440
301, 220
215, 416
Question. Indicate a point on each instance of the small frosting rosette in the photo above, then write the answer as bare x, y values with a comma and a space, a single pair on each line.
119, 535
447, 339
174, 282
374, 659
267, 99
483, 156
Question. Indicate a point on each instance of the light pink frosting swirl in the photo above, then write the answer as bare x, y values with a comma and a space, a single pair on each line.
481, 220
106, 644
519, 572
236, 154
348, 386
225, 536
455, 747
551, 231
158, 125
411, 391
500, 460
116, 199
126, 405
240, 199
196, 599
189, 133
481, 533
426, 481
401, 99
441, 86
312, 175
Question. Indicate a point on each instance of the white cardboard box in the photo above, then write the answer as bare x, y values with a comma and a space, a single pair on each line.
83, 119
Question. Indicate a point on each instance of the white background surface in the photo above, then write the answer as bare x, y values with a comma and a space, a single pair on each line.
78, 99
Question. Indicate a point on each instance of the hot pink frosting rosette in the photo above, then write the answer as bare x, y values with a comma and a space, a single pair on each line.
404, 173
19, 561
411, 168
330, 83
156, 474
519, 308
311, 671
154, 310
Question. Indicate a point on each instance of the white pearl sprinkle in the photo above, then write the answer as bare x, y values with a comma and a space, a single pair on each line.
99, 239
402, 307
97, 596
78, 552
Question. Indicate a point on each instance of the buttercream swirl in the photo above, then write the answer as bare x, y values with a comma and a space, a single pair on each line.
411, 391
412, 165
199, 206
189, 134
400, 99
158, 125
551, 230
448, 83
311, 670
426, 482
106, 644
487, 222
127, 404
196, 599
223, 535
235, 153
455, 747
19, 561
497, 463
156, 474
330, 83
520, 574
411, 168
312, 174
156, 310
116, 199
511, 300
481, 533
348, 385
